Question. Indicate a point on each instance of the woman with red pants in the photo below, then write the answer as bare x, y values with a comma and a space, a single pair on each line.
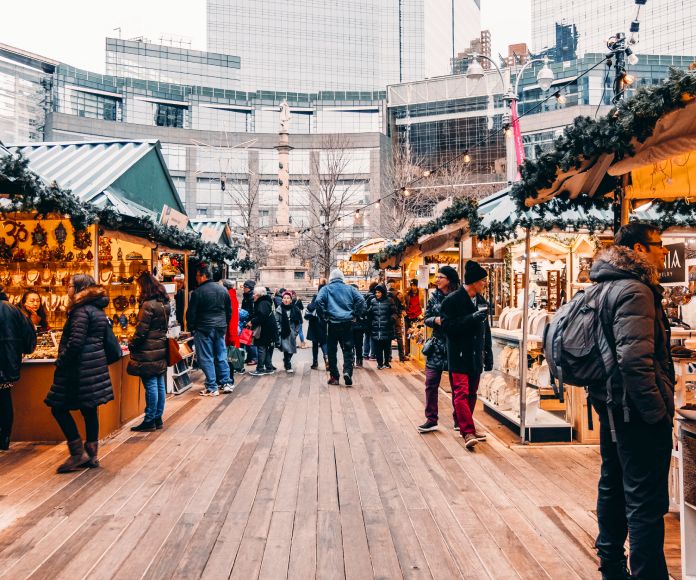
464, 317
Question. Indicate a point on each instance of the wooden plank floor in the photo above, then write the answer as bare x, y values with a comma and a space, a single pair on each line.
291, 478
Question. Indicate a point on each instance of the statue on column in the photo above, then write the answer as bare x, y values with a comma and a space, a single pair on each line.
284, 117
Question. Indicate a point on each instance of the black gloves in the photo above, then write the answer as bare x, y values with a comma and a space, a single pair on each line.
480, 316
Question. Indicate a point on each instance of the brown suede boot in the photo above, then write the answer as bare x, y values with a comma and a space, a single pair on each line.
92, 450
78, 457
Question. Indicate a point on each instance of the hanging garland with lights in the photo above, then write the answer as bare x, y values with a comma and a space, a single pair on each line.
30, 194
587, 139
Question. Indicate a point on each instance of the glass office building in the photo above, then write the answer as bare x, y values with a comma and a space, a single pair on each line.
356, 45
666, 26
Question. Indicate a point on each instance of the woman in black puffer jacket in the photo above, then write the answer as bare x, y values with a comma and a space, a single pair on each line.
446, 282
264, 318
149, 349
81, 380
380, 316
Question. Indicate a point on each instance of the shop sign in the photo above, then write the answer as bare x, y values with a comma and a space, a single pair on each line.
423, 276
210, 234
171, 217
675, 264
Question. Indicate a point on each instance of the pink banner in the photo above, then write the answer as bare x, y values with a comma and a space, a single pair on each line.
517, 136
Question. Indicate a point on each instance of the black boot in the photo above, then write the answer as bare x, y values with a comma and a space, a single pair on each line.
158, 423
4, 440
615, 570
144, 426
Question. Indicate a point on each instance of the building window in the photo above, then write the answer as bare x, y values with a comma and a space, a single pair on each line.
169, 115
202, 212
299, 275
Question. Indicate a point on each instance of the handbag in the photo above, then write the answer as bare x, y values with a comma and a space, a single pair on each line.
236, 358
246, 336
428, 347
173, 352
257, 332
112, 347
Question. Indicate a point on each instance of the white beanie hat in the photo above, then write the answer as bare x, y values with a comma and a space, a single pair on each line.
336, 274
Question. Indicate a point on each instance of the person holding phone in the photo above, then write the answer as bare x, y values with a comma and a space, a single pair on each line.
464, 320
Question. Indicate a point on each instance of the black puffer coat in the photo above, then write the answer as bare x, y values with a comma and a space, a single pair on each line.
264, 316
17, 337
437, 359
317, 330
469, 345
381, 318
81, 380
640, 333
149, 346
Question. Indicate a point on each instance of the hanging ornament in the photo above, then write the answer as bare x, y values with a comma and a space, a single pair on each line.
60, 233
39, 237
83, 239
17, 231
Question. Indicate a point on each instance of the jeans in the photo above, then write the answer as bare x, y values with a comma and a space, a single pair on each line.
300, 333
315, 351
69, 428
212, 357
432, 386
155, 394
464, 390
633, 492
382, 350
368, 346
265, 353
251, 353
287, 360
340, 333
6, 411
358, 341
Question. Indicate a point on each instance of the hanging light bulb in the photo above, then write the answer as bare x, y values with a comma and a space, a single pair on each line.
507, 129
357, 212
560, 98
426, 173
467, 157
628, 79
406, 192
377, 203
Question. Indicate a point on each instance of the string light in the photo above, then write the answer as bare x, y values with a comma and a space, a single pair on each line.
560, 98
426, 173
507, 130
357, 212
377, 203
406, 192
467, 157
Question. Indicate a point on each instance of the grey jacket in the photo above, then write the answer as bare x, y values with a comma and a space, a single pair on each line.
641, 339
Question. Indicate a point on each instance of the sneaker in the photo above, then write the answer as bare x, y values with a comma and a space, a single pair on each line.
205, 393
456, 427
252, 363
243, 371
290, 371
387, 365
358, 365
479, 436
258, 373
348, 380
380, 367
315, 366
273, 368
144, 426
427, 427
333, 381
470, 441
228, 388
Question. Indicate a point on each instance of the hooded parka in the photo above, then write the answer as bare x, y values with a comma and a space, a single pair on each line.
81, 380
149, 347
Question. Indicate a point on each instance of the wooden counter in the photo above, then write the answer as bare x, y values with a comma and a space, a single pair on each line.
33, 420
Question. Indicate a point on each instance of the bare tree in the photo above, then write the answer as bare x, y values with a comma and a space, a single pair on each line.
331, 192
244, 195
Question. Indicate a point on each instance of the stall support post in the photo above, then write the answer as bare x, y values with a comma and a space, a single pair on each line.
525, 338
625, 203
95, 251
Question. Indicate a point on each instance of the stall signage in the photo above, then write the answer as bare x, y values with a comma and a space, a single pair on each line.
171, 217
423, 276
210, 234
675, 264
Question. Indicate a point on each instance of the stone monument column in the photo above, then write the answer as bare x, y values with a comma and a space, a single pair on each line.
283, 148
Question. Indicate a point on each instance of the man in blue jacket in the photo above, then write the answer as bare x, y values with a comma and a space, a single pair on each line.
340, 304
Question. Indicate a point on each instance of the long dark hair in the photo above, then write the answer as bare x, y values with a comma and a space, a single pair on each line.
81, 282
151, 288
40, 312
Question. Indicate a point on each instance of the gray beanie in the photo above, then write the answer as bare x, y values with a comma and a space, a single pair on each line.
336, 274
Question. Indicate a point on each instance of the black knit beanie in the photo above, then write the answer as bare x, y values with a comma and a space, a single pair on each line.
473, 272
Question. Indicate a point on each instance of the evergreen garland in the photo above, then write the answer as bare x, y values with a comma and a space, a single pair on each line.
587, 139
30, 194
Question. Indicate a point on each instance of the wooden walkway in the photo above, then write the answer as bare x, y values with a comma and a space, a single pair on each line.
289, 477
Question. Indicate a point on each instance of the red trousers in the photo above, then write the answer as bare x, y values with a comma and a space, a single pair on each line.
464, 390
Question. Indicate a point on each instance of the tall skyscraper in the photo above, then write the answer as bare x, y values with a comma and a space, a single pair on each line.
666, 26
340, 45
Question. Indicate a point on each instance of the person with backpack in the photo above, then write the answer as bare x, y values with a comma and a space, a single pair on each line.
636, 409
464, 320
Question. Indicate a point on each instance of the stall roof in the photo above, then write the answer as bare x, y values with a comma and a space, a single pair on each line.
368, 248
215, 231
129, 175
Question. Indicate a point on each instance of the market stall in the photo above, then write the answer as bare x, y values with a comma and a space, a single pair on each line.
105, 226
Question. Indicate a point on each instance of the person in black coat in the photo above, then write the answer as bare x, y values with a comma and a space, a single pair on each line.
464, 318
359, 328
149, 349
81, 380
248, 305
264, 319
368, 350
17, 338
380, 316
317, 330
297, 303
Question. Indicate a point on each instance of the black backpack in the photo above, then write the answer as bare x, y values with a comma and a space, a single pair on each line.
577, 347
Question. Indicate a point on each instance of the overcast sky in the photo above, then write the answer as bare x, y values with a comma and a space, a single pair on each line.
73, 31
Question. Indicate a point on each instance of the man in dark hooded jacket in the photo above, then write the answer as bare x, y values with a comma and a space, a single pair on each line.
633, 493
